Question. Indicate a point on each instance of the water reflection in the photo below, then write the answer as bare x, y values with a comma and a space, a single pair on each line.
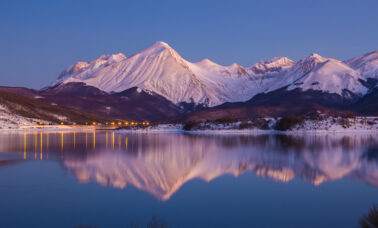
161, 163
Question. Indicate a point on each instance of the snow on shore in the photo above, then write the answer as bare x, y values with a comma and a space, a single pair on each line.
328, 125
13, 122
9, 120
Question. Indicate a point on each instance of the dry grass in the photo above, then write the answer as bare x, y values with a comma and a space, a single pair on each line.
30, 108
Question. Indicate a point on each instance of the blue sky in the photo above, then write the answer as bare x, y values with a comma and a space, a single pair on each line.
38, 39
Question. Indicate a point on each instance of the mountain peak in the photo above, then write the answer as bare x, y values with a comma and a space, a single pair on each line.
114, 57
119, 55
206, 62
372, 53
370, 56
315, 55
366, 65
158, 48
78, 66
313, 58
103, 60
161, 44
235, 65
275, 64
281, 61
73, 68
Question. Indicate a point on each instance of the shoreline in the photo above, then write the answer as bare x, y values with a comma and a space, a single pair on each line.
51, 128
330, 125
194, 132
247, 131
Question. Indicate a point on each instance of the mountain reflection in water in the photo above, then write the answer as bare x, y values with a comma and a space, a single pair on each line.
161, 163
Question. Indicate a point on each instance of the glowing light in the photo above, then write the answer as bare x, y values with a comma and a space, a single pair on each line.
61, 141
94, 140
24, 146
47, 145
41, 155
35, 145
113, 140
119, 142
106, 136
93, 123
61, 123
126, 142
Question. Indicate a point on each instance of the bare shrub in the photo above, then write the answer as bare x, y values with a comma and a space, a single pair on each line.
189, 125
245, 125
344, 122
371, 219
289, 121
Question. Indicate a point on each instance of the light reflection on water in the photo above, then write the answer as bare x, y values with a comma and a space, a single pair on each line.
161, 164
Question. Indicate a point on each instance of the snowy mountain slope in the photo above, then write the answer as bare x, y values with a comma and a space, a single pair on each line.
299, 69
158, 68
84, 69
331, 76
366, 65
321, 74
161, 70
276, 64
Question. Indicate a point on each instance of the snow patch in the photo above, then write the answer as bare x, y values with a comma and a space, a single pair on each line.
10, 120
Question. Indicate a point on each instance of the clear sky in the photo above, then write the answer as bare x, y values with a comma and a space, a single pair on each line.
38, 39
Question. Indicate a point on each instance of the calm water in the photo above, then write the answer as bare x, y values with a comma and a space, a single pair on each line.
107, 179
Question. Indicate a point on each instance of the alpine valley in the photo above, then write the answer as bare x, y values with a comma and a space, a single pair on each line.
157, 84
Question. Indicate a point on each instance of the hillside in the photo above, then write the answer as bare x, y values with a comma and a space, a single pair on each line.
17, 110
133, 104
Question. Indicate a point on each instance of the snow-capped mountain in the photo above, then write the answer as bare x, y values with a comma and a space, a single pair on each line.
276, 64
322, 74
85, 69
366, 65
160, 69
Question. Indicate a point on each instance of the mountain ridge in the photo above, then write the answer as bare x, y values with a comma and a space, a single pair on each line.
162, 70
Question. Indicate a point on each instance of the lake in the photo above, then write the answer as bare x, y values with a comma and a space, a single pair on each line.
109, 179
